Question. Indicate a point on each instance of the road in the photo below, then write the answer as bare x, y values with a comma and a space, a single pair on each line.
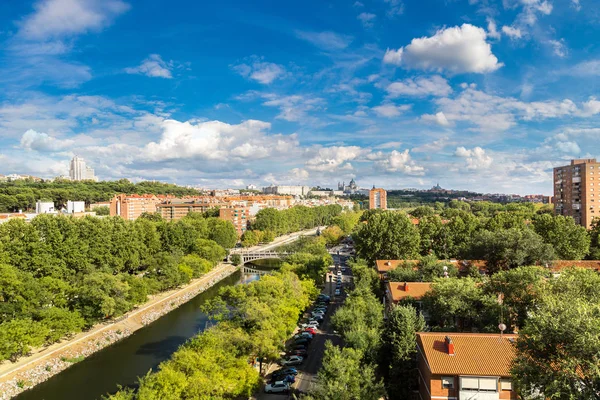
308, 370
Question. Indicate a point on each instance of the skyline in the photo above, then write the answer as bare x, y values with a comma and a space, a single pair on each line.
484, 96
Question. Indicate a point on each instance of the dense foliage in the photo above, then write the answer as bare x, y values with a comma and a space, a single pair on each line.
506, 236
255, 319
59, 275
294, 219
23, 194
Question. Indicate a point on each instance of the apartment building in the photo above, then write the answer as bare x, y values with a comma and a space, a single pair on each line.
175, 209
377, 198
575, 190
238, 216
131, 206
473, 366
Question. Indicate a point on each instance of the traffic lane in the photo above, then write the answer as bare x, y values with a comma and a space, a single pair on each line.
310, 368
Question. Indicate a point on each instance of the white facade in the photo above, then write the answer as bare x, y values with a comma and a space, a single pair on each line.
79, 171
251, 187
290, 190
75, 207
44, 207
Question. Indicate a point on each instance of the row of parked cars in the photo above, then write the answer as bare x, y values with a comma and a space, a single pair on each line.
282, 379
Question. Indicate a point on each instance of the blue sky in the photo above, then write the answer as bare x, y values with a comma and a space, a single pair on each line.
479, 95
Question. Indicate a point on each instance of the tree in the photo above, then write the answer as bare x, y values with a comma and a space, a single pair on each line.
519, 289
557, 350
399, 350
570, 240
102, 211
236, 259
222, 232
387, 235
18, 336
210, 250
595, 240
510, 248
250, 238
332, 234
423, 211
344, 377
60, 322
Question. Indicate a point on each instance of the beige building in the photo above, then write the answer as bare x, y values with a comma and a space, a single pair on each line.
131, 206
377, 198
238, 216
175, 209
575, 191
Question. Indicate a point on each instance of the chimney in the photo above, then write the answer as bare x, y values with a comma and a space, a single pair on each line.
388, 263
450, 346
406, 286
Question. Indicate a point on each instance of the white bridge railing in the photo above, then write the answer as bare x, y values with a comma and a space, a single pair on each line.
247, 256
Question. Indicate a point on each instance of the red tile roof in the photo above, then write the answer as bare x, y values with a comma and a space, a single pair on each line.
483, 354
402, 290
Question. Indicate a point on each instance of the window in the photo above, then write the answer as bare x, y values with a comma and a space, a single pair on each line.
479, 384
505, 384
448, 382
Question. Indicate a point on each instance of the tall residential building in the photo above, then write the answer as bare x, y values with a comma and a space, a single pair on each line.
574, 190
131, 206
238, 217
377, 198
79, 171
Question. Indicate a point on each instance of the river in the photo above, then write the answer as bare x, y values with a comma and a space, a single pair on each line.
122, 363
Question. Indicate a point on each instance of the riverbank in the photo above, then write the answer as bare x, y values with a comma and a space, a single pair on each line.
46, 362
49, 361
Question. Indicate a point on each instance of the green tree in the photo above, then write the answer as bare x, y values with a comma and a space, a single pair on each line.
423, 211
18, 336
102, 211
510, 248
399, 350
250, 238
222, 232
387, 235
557, 350
210, 250
344, 377
570, 240
60, 323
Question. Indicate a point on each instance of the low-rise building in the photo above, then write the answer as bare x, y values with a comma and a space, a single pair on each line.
289, 190
172, 210
74, 207
397, 291
44, 207
131, 206
473, 366
238, 216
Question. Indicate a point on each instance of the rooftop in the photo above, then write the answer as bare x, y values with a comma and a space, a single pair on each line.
402, 290
482, 354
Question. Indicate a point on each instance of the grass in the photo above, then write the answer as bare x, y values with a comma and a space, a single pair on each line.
73, 360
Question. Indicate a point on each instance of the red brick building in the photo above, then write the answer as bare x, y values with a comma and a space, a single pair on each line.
238, 216
465, 366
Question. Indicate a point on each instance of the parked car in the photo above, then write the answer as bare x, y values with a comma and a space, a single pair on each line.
292, 360
303, 341
287, 371
316, 318
310, 324
282, 377
304, 335
337, 292
311, 331
301, 353
299, 347
315, 313
339, 273
278, 387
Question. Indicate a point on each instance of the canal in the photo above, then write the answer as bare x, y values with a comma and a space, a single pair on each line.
123, 362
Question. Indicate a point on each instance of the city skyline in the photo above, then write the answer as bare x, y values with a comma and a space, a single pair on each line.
482, 96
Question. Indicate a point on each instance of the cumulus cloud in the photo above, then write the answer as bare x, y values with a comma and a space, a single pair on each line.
367, 19
568, 147
459, 49
476, 158
39, 141
420, 87
216, 140
257, 69
153, 67
511, 32
58, 18
334, 158
326, 40
438, 118
389, 110
400, 161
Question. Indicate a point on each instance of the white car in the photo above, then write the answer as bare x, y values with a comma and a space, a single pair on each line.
337, 292
339, 273
278, 387
293, 360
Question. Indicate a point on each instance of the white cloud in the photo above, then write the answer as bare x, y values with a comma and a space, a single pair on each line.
389, 110
395, 7
58, 18
585, 68
433, 147
511, 32
492, 29
559, 47
422, 86
475, 158
438, 118
257, 69
293, 108
576, 5
32, 140
458, 50
397, 161
153, 67
367, 19
590, 107
326, 40
334, 158
216, 140
568, 147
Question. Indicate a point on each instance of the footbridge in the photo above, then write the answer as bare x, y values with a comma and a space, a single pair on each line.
247, 256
